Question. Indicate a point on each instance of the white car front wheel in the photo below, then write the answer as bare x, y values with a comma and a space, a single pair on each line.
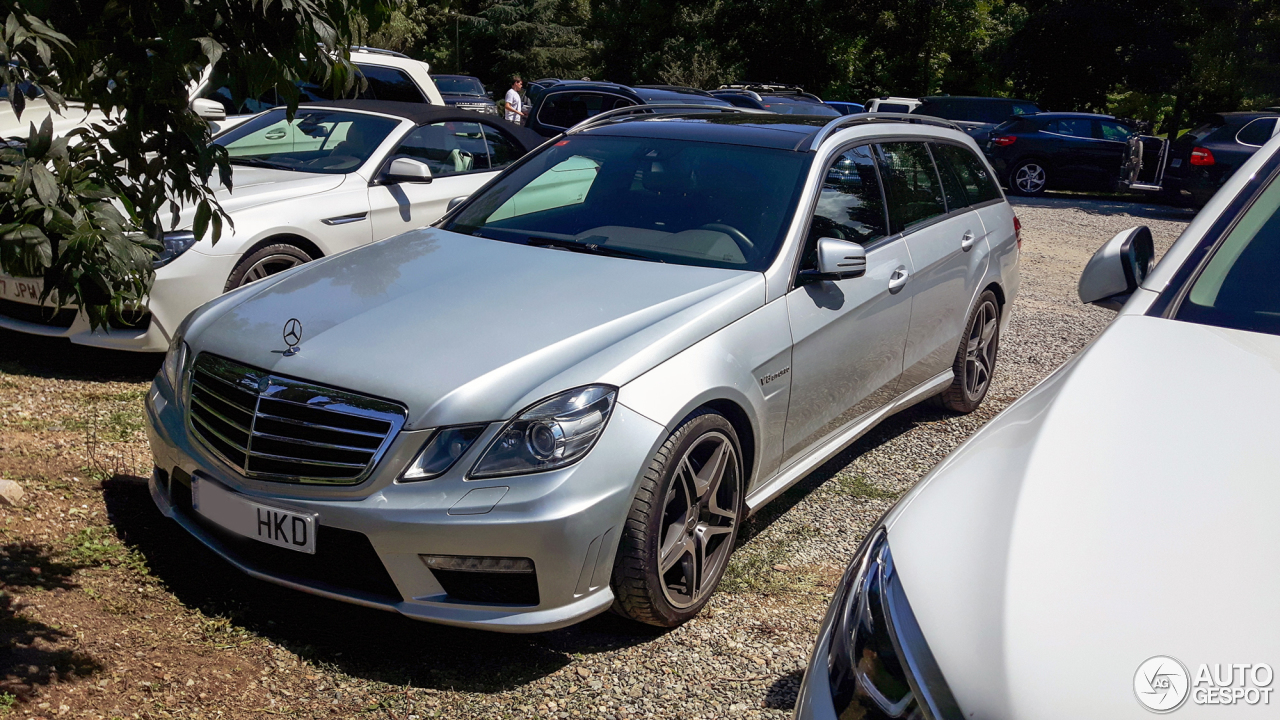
264, 261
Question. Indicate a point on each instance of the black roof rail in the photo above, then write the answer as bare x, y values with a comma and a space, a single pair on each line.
616, 112
378, 51
845, 121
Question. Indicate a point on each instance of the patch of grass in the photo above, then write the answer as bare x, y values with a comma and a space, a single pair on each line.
752, 572
857, 486
98, 547
8, 701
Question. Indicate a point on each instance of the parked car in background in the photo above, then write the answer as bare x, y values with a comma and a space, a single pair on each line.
465, 93
846, 108
342, 174
557, 105
1066, 543
387, 75
554, 403
975, 115
1059, 151
774, 98
892, 104
1192, 168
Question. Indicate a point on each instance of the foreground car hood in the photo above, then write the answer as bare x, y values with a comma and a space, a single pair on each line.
465, 329
1125, 508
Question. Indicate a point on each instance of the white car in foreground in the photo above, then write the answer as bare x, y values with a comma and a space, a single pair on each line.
340, 175
1109, 546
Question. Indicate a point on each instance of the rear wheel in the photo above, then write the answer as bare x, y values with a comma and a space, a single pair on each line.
976, 358
682, 525
265, 261
1028, 177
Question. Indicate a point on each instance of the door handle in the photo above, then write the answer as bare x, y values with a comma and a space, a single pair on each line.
898, 278
968, 240
277, 134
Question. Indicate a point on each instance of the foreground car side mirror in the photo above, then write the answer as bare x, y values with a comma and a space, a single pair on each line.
406, 170
210, 110
1117, 269
837, 260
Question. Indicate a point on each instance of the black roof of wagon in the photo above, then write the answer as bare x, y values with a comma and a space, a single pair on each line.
425, 114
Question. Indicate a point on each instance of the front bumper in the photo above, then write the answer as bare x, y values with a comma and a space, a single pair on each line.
567, 522
184, 285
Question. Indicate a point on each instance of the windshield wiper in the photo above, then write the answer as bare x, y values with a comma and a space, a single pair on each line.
258, 162
586, 247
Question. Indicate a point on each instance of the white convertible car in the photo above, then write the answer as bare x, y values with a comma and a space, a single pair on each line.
1108, 547
341, 174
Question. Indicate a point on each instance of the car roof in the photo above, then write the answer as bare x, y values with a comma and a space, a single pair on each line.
938, 98
675, 89
653, 95
451, 75
782, 132
423, 114
1054, 115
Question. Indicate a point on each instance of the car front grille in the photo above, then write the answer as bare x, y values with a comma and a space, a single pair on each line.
38, 314
275, 428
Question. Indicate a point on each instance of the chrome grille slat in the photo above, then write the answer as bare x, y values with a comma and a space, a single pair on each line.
304, 423
340, 447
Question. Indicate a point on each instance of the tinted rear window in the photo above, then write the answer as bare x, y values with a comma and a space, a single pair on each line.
1257, 132
971, 171
893, 107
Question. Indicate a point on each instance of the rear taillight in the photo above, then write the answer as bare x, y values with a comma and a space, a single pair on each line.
1004, 140
1201, 156
1017, 230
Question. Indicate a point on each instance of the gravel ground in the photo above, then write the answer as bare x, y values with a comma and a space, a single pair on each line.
108, 610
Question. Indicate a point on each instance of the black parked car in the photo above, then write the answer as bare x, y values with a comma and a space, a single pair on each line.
1059, 151
975, 115
465, 93
775, 98
557, 105
1192, 168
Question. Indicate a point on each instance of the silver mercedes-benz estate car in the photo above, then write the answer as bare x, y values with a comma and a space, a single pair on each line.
568, 393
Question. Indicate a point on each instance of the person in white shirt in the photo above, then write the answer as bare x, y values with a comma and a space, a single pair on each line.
515, 104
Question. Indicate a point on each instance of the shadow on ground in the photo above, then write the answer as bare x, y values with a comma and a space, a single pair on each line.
32, 654
34, 355
1138, 207
359, 641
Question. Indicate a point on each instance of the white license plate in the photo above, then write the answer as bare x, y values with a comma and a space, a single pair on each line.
1176, 162
237, 513
23, 290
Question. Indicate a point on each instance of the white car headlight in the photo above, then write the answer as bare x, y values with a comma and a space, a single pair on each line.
175, 243
556, 432
442, 451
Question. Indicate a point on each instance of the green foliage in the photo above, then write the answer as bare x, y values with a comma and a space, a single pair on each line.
85, 213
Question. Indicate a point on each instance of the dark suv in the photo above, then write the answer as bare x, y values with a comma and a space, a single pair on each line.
465, 93
975, 115
1059, 151
775, 98
557, 105
1192, 168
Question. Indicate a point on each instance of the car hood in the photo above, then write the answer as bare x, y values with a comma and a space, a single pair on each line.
1125, 508
252, 187
463, 329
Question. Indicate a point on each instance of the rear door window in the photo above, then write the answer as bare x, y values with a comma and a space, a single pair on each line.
566, 109
1257, 133
952, 187
386, 83
972, 173
911, 184
1072, 127
1115, 131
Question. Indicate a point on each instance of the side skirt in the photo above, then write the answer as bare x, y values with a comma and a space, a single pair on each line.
842, 439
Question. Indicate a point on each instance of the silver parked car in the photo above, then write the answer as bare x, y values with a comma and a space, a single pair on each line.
1108, 545
568, 394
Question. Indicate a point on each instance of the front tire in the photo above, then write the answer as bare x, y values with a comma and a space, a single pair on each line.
1028, 178
265, 261
683, 524
975, 361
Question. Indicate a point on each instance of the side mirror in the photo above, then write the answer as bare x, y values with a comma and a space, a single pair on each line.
837, 260
406, 170
211, 110
456, 202
1118, 268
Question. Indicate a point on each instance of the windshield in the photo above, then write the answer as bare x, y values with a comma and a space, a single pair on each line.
1237, 287
316, 140
674, 201
458, 85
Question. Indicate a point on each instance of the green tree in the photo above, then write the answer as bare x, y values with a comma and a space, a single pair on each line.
84, 212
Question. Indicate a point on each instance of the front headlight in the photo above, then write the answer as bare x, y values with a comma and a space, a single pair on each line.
175, 243
878, 663
556, 432
175, 361
442, 451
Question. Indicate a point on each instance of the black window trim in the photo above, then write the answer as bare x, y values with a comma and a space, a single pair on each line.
1272, 118
547, 97
1166, 305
